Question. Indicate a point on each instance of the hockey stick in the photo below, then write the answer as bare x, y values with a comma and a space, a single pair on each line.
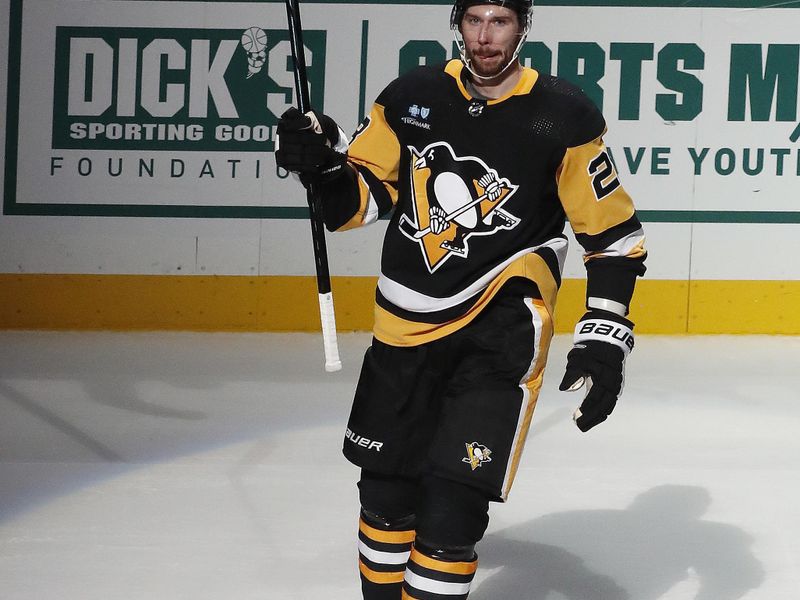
410, 230
332, 361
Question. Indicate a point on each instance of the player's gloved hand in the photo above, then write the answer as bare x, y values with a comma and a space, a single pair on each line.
602, 342
491, 185
438, 219
305, 145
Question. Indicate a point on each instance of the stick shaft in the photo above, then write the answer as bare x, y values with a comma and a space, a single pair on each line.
423, 232
298, 55
327, 317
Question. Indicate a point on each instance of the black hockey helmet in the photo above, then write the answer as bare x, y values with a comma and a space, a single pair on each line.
523, 8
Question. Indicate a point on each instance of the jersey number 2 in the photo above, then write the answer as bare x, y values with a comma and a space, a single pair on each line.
604, 178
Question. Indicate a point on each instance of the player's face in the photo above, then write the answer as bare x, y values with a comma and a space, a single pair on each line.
491, 34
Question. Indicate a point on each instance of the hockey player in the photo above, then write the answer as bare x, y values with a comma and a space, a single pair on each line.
481, 159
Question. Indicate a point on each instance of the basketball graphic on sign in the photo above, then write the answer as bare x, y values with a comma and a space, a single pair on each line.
254, 42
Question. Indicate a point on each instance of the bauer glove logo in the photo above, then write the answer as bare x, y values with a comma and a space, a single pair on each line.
603, 330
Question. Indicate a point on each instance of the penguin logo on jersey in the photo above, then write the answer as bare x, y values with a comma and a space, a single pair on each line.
454, 198
477, 454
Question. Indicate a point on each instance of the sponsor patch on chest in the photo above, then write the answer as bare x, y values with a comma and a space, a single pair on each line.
417, 116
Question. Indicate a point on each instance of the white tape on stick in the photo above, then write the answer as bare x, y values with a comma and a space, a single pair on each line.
332, 361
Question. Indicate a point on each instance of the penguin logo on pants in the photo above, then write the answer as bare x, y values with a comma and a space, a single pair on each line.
477, 455
454, 198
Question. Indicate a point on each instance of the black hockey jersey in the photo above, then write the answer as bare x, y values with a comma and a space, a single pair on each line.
481, 189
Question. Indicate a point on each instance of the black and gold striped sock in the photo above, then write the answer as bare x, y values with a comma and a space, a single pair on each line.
428, 578
383, 550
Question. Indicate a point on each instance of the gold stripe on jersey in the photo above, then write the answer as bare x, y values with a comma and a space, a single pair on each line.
443, 566
397, 331
586, 213
381, 578
386, 537
531, 384
634, 251
376, 148
524, 85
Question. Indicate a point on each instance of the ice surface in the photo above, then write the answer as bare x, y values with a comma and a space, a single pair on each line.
166, 466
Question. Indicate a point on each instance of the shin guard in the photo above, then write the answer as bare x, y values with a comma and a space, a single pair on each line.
383, 551
429, 578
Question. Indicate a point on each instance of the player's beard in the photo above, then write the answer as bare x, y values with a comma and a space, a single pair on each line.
490, 64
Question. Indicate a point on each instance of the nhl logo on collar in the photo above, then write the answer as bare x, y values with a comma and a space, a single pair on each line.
475, 108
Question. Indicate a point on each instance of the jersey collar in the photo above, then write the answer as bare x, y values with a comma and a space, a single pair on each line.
455, 67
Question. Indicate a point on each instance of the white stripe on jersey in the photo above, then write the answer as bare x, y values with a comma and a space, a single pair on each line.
371, 213
408, 299
621, 247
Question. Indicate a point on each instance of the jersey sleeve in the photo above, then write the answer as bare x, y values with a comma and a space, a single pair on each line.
602, 216
368, 187
374, 155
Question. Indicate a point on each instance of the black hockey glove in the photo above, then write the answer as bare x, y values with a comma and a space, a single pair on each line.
305, 145
602, 342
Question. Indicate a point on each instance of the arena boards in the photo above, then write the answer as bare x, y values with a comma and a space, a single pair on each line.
138, 172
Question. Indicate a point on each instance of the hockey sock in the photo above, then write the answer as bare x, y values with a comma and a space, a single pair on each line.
440, 578
383, 550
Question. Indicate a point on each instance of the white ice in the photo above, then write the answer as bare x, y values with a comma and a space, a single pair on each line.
171, 466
